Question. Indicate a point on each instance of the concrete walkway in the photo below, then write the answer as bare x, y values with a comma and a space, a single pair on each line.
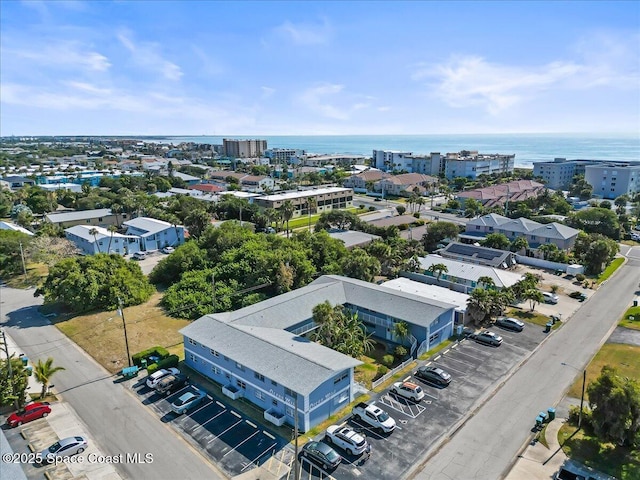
64, 422
531, 464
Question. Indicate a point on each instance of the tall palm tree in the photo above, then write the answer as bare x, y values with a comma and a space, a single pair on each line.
287, 209
94, 232
43, 373
486, 282
312, 203
112, 229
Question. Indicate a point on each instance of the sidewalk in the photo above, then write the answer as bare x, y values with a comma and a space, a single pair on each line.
63, 422
530, 464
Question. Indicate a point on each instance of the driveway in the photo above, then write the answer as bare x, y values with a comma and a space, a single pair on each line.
627, 336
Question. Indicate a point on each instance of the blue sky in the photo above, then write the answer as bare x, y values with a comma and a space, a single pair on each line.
287, 68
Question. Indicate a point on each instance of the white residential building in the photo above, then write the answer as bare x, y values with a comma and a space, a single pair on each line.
470, 164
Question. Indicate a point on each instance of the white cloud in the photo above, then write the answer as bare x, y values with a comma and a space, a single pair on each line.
470, 80
332, 101
147, 55
267, 91
306, 33
61, 54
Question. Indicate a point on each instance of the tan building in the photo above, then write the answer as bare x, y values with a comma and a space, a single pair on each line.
406, 183
243, 148
101, 217
326, 199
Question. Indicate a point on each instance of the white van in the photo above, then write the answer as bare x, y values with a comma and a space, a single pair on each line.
550, 297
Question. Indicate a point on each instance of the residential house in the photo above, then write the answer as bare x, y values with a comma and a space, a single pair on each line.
535, 233
188, 179
498, 195
262, 352
353, 238
15, 228
101, 217
405, 184
257, 183
16, 181
91, 240
362, 181
491, 257
326, 199
155, 234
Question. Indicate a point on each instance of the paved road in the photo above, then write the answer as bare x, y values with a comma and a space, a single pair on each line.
117, 421
487, 445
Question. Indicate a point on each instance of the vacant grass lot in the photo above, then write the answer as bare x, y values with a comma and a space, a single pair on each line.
613, 266
625, 358
626, 320
101, 334
620, 462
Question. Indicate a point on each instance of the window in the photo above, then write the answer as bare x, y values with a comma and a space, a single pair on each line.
259, 376
274, 403
289, 411
341, 378
239, 366
274, 383
214, 353
193, 342
193, 358
241, 384
259, 395
290, 392
215, 370
433, 338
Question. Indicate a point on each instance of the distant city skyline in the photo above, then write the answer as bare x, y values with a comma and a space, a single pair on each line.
318, 68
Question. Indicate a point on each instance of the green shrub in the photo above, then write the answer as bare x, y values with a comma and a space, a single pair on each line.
417, 214
157, 351
382, 370
400, 352
580, 277
387, 360
574, 415
420, 222
372, 209
403, 227
170, 361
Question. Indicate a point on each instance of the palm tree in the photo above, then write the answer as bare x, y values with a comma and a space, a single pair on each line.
287, 210
401, 330
534, 296
479, 305
312, 203
112, 229
43, 373
486, 282
438, 269
94, 232
116, 209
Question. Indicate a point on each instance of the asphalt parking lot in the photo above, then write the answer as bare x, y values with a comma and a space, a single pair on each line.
476, 370
235, 443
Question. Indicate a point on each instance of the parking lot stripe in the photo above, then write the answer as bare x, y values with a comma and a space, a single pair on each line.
236, 414
252, 424
373, 432
448, 367
212, 418
269, 435
259, 456
455, 346
221, 404
222, 433
204, 406
437, 358
244, 441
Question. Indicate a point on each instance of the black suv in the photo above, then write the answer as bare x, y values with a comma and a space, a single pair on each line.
434, 375
171, 383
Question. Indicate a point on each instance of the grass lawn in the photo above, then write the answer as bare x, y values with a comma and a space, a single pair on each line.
627, 322
101, 334
436, 349
368, 371
531, 317
613, 266
621, 462
36, 273
625, 358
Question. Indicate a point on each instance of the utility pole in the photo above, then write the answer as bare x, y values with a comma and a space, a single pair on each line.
124, 324
6, 351
295, 434
213, 290
24, 267
584, 381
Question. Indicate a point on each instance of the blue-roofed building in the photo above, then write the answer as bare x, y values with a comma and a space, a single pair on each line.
263, 352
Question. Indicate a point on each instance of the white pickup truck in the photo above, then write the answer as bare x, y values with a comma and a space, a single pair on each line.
374, 416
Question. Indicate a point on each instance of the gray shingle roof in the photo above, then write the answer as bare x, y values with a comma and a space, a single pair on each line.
150, 226
470, 271
78, 215
255, 336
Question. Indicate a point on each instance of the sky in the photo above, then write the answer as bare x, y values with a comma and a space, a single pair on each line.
318, 68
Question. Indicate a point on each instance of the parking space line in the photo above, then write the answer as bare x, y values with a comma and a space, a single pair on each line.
222, 433
244, 441
204, 406
466, 364
259, 456
212, 418
252, 424
221, 404
269, 435
429, 395
376, 434
471, 356
236, 414
448, 367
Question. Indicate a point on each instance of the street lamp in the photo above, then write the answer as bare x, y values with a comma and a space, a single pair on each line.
584, 381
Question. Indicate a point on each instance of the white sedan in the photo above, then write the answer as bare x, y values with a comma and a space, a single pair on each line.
155, 377
347, 439
408, 390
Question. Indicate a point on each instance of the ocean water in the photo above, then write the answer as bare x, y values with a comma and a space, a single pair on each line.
528, 148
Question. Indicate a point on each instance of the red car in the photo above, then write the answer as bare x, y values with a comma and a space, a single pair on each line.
33, 411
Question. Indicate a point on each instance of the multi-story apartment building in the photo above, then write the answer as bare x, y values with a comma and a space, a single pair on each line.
470, 164
432, 164
389, 160
325, 199
243, 148
284, 155
610, 180
559, 173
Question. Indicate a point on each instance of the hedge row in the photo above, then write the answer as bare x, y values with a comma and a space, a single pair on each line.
170, 361
150, 352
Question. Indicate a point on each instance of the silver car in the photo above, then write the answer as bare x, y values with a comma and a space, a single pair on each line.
64, 448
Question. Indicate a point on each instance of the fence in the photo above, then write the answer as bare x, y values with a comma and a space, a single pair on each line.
539, 262
391, 373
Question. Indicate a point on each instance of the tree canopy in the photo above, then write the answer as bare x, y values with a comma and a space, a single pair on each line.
596, 220
95, 282
437, 232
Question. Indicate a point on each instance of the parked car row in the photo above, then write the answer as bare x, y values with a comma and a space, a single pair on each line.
169, 380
